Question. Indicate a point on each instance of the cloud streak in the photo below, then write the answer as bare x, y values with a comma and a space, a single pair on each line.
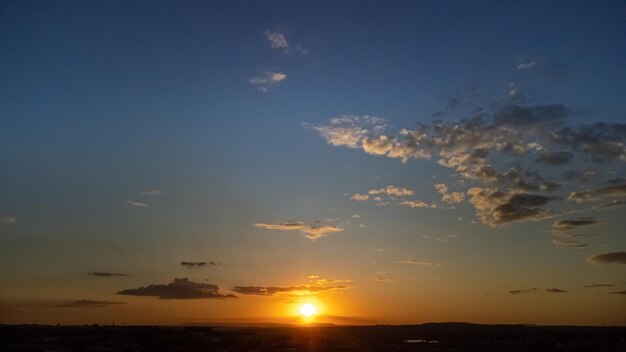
267, 80
609, 258
178, 289
311, 231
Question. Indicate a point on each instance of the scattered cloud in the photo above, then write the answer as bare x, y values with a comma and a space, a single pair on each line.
561, 227
360, 197
312, 231
85, 303
526, 64
267, 80
300, 290
8, 219
449, 197
609, 258
178, 289
555, 290
277, 39
423, 263
521, 292
393, 191
416, 204
495, 207
592, 194
192, 264
105, 274
598, 285
136, 204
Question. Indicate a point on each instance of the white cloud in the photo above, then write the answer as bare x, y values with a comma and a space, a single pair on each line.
278, 40
267, 80
393, 191
360, 197
8, 219
136, 204
424, 263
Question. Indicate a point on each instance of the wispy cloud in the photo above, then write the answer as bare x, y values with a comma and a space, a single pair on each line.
105, 274
609, 258
298, 290
178, 289
360, 197
312, 231
8, 219
277, 39
85, 303
592, 194
555, 290
136, 204
267, 80
423, 263
192, 265
598, 285
524, 291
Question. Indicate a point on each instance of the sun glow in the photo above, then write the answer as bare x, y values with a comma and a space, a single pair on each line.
308, 310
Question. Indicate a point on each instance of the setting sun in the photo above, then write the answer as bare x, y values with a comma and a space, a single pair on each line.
308, 310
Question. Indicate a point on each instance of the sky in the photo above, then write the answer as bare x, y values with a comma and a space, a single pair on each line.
389, 162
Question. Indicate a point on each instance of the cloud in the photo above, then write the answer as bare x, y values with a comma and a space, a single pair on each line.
521, 292
609, 258
554, 158
154, 192
525, 64
85, 303
449, 198
311, 231
393, 191
555, 290
301, 290
598, 285
568, 226
424, 263
277, 39
356, 216
495, 207
193, 264
136, 204
178, 289
105, 274
349, 130
592, 194
416, 204
614, 204
267, 80
8, 219
360, 197
619, 293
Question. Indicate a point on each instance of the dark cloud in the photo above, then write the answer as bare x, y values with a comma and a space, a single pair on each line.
274, 290
521, 292
609, 258
554, 158
619, 293
85, 303
526, 118
178, 289
599, 285
105, 274
601, 140
579, 175
495, 207
555, 290
568, 226
591, 194
198, 264
612, 205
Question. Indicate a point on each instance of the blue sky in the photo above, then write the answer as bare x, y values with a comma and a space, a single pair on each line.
136, 135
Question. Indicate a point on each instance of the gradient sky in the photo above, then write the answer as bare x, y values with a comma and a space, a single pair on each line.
392, 162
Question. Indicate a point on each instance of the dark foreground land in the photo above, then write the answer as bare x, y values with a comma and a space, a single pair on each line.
427, 337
